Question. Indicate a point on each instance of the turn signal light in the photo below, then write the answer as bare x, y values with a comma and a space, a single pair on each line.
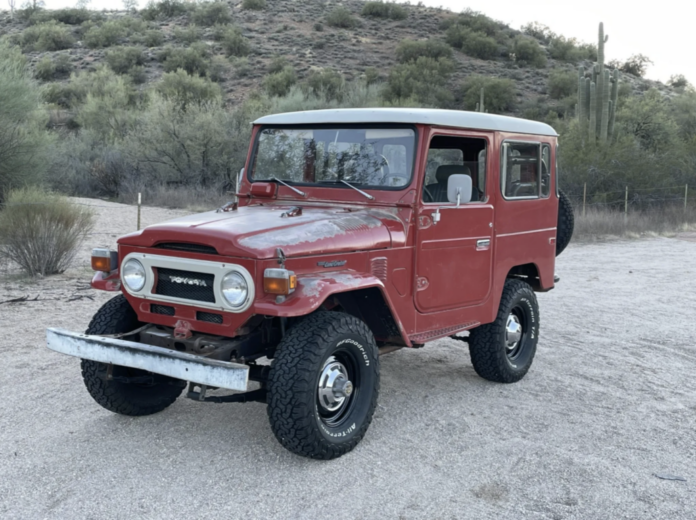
104, 260
279, 281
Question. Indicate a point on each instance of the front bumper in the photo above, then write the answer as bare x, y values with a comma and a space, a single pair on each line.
180, 365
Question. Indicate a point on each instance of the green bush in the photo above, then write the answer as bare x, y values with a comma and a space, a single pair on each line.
163, 9
277, 64
499, 94
193, 59
381, 9
185, 89
190, 34
472, 43
569, 50
411, 50
232, 40
24, 141
474, 21
123, 59
219, 68
318, 27
105, 35
372, 75
679, 82
636, 65
279, 83
41, 232
74, 16
48, 69
423, 81
341, 17
242, 68
212, 13
326, 83
562, 84
47, 36
149, 38
254, 5
529, 52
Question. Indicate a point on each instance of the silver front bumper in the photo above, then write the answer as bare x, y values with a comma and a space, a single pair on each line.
180, 365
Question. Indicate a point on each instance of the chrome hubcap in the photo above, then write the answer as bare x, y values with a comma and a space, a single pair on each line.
334, 386
513, 332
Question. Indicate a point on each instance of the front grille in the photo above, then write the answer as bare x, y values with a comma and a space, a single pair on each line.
166, 310
190, 248
210, 317
185, 284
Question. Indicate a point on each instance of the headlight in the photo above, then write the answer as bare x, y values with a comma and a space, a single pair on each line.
234, 289
133, 275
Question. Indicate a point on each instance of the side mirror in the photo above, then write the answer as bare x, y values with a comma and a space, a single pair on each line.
459, 188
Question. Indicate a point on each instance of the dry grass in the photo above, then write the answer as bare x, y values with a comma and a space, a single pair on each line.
603, 223
192, 198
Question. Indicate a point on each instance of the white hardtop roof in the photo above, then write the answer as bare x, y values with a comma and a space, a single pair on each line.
426, 116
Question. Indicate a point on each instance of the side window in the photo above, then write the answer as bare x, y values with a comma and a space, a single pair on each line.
449, 155
520, 171
545, 170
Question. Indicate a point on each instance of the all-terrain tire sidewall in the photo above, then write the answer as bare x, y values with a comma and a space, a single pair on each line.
293, 408
566, 222
487, 343
117, 316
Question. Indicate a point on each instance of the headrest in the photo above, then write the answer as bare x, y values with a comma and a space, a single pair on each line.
443, 172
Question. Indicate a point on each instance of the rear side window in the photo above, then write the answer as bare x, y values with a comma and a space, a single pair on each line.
522, 171
545, 170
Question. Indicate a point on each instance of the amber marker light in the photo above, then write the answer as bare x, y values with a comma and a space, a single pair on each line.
104, 260
279, 281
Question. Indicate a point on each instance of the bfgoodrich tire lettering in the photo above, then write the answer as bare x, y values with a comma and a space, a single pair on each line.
117, 316
495, 354
322, 345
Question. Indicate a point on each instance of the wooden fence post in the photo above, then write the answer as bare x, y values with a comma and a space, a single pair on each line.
686, 195
139, 202
626, 205
584, 198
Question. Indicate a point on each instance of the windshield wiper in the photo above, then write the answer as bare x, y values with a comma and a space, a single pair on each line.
291, 187
361, 192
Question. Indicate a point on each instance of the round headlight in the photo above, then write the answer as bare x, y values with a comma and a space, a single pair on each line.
234, 289
133, 274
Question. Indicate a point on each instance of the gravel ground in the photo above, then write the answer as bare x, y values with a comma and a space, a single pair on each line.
609, 403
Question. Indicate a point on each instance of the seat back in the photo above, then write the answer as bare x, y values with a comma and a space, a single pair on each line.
438, 191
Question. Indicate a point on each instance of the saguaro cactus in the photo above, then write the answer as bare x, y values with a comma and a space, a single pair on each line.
598, 91
481, 105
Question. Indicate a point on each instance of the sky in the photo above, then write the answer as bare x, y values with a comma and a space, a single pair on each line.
663, 31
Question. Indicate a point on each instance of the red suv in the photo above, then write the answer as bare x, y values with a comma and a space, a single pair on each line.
354, 233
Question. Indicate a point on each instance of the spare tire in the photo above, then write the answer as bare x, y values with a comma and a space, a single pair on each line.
566, 222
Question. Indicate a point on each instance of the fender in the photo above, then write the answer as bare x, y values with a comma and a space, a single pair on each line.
313, 290
110, 282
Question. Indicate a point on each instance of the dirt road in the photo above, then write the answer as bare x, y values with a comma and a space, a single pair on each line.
609, 403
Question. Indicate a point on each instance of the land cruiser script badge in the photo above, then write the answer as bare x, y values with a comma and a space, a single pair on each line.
188, 281
335, 263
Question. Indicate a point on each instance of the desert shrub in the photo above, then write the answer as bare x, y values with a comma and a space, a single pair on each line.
499, 93
529, 52
371, 75
562, 83
61, 94
277, 64
163, 9
24, 141
326, 83
539, 31
190, 34
423, 81
47, 36
137, 74
148, 38
679, 82
569, 50
254, 5
242, 67
45, 69
279, 83
381, 9
41, 232
68, 16
193, 59
472, 43
232, 40
219, 67
636, 65
411, 50
341, 17
211, 13
186, 89
318, 27
105, 35
475, 21
123, 59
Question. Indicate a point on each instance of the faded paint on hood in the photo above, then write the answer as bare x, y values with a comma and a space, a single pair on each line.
256, 231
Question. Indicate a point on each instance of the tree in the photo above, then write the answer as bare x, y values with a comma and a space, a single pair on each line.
130, 5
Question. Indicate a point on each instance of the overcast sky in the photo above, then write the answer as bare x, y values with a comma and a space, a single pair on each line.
663, 31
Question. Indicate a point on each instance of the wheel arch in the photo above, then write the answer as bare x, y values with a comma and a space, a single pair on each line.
528, 273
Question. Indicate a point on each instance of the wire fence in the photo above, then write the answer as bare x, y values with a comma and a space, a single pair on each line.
628, 200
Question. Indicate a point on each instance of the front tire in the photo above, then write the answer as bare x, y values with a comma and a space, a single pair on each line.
323, 385
503, 351
115, 317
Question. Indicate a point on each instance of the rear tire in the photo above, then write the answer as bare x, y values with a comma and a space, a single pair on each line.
115, 317
503, 351
315, 359
566, 222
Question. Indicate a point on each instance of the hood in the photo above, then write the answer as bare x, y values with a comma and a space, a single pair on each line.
256, 231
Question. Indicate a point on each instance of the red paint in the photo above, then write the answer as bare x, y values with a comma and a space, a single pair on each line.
437, 279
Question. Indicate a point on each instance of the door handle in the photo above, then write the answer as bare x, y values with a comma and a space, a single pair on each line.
483, 244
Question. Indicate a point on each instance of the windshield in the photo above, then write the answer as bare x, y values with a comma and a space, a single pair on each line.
368, 157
